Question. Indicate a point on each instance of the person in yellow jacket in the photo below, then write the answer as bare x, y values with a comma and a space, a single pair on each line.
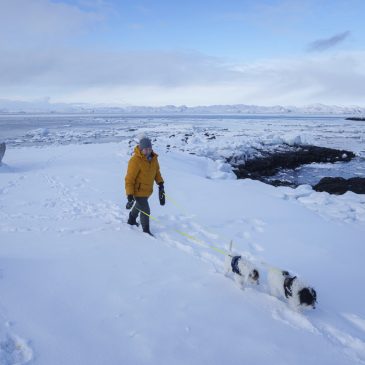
143, 170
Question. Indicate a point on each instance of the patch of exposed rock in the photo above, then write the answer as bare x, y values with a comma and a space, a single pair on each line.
270, 164
358, 119
339, 185
2, 151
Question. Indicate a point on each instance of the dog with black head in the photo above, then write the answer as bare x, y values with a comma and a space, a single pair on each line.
298, 294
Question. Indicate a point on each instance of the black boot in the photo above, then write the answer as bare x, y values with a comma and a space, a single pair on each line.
132, 220
146, 229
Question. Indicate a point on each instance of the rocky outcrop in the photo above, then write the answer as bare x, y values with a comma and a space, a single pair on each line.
356, 119
272, 163
339, 185
261, 168
2, 150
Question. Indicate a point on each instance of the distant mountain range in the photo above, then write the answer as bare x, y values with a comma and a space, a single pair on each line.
44, 106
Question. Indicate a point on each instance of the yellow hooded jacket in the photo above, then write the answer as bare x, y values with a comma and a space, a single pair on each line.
141, 173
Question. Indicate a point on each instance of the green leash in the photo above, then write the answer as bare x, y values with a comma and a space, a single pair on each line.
187, 235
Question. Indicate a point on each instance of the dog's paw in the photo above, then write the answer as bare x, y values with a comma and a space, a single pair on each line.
240, 283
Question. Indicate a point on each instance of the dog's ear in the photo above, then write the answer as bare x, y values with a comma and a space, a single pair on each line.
254, 275
314, 293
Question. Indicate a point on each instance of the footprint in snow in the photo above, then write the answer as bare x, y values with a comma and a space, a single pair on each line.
292, 318
351, 345
355, 320
256, 247
14, 351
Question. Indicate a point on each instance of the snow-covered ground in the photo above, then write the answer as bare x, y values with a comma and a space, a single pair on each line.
79, 286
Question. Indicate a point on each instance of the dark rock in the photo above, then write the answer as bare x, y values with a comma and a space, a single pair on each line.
2, 150
356, 119
277, 183
294, 157
290, 157
209, 136
339, 185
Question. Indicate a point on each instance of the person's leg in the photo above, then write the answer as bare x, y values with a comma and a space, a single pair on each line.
144, 209
133, 215
134, 212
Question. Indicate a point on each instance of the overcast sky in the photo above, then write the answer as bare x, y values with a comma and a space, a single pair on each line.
158, 52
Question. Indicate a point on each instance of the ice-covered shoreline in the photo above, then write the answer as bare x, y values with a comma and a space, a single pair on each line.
326, 132
214, 137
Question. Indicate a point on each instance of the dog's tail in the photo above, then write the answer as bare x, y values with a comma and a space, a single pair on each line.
228, 259
230, 246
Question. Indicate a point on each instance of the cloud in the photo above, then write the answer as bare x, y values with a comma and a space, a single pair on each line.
40, 62
77, 68
159, 78
331, 79
29, 23
324, 44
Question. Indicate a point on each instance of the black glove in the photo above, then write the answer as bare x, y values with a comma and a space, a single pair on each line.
130, 203
161, 193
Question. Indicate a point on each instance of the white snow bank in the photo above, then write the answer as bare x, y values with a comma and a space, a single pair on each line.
349, 207
40, 132
79, 286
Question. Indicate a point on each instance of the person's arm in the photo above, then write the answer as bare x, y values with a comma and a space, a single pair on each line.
161, 189
130, 178
158, 178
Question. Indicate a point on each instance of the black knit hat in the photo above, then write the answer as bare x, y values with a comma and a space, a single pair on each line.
145, 143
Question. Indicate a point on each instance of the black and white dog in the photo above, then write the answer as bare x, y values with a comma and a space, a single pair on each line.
284, 285
243, 270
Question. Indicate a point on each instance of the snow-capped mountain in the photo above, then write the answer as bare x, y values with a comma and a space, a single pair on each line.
45, 106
